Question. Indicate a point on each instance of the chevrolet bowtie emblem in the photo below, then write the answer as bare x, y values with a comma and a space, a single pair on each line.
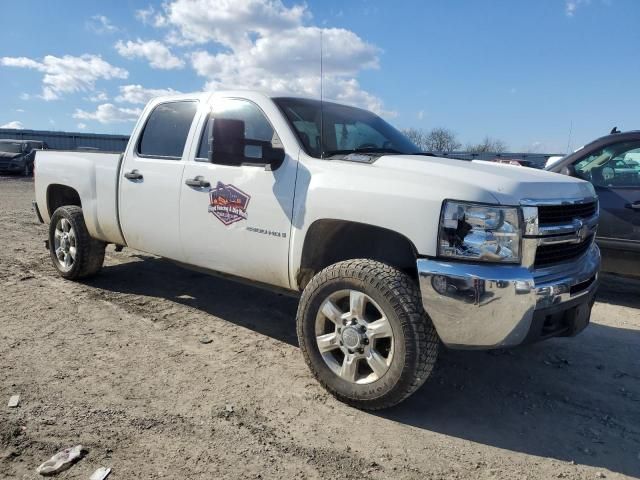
582, 230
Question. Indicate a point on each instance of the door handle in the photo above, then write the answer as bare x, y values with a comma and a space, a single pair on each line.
197, 182
133, 175
633, 206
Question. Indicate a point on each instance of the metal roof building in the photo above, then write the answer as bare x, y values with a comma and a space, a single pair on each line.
70, 140
118, 143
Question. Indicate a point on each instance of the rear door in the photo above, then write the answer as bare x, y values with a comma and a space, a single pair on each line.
151, 179
615, 173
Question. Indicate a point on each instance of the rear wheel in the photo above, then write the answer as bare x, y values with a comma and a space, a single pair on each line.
74, 253
365, 335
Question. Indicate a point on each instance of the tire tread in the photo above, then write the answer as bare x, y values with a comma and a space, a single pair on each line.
90, 251
402, 292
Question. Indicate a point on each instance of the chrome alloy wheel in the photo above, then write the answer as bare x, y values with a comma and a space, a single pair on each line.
354, 337
65, 244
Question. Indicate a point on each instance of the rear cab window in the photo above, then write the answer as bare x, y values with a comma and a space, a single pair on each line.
165, 133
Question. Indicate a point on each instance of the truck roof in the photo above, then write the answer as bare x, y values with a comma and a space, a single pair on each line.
249, 94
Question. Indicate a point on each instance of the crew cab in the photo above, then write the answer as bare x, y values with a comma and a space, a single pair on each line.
393, 252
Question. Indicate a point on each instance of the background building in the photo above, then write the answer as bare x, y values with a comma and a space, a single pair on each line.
70, 140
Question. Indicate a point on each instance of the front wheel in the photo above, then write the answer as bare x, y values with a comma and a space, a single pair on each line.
365, 335
74, 253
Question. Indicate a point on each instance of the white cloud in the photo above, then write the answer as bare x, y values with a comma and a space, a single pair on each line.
82, 126
67, 74
420, 115
149, 16
265, 45
157, 54
25, 96
20, 110
109, 113
98, 97
231, 22
571, 6
16, 124
141, 95
100, 24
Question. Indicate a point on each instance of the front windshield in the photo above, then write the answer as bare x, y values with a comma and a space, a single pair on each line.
345, 129
10, 147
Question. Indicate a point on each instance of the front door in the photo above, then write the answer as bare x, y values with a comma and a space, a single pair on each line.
614, 171
236, 218
150, 180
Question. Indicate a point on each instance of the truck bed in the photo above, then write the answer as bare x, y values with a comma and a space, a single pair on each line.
94, 176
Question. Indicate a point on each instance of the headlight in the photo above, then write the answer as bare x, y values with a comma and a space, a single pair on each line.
479, 232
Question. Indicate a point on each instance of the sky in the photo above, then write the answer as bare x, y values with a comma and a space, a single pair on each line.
542, 76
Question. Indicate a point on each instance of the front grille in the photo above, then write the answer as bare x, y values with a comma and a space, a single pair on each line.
561, 252
579, 287
555, 214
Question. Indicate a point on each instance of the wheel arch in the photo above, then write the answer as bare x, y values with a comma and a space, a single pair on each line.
59, 195
328, 241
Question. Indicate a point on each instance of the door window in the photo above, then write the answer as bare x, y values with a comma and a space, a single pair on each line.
256, 127
165, 133
613, 166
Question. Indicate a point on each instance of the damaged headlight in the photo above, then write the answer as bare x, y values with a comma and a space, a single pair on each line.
487, 233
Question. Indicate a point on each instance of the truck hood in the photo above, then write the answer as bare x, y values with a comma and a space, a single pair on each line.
508, 184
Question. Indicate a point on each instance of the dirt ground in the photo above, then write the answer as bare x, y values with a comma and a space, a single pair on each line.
121, 365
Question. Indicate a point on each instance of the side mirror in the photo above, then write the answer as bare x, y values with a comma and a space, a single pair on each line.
227, 145
272, 156
569, 170
230, 147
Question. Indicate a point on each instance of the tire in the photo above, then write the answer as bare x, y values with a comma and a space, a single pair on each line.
411, 344
27, 170
74, 253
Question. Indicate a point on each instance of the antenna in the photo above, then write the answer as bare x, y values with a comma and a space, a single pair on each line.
569, 140
321, 100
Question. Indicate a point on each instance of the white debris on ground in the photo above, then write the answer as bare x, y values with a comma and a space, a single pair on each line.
100, 474
61, 461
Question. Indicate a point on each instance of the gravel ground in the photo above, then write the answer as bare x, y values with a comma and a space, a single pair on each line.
165, 373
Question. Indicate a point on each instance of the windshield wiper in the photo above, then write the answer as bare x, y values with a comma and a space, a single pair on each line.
367, 150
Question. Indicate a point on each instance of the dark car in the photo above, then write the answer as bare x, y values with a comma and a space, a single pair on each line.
16, 156
612, 165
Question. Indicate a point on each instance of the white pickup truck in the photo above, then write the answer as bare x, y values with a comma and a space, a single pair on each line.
394, 252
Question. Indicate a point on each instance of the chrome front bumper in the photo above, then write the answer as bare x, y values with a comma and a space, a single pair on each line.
491, 306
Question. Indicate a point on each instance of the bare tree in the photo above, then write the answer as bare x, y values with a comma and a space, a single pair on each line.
488, 144
418, 137
438, 139
442, 140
